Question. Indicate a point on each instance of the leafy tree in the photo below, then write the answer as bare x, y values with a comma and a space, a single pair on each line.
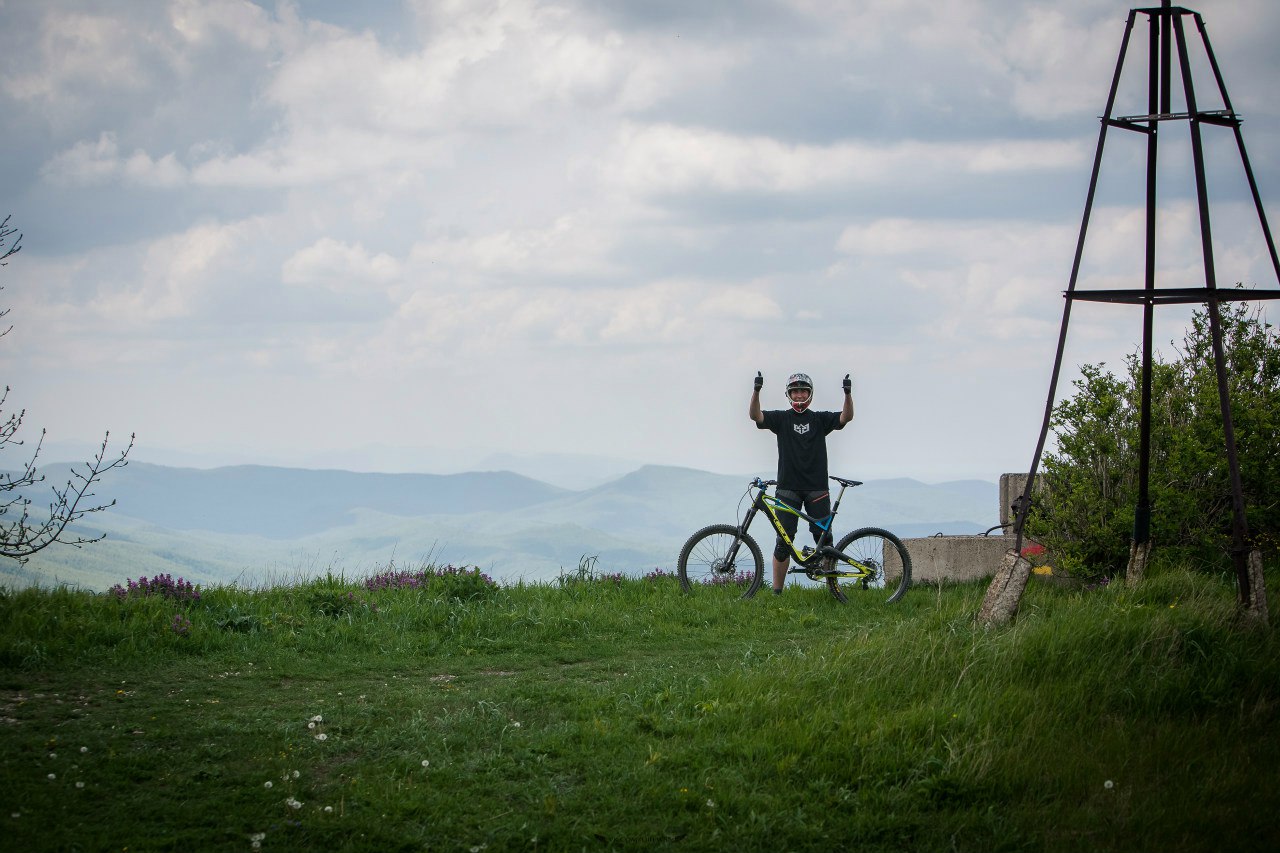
1086, 512
22, 532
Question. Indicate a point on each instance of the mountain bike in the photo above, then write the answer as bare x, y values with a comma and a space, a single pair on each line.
724, 557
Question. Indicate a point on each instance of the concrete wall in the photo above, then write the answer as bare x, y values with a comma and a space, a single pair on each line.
953, 558
962, 558
1011, 488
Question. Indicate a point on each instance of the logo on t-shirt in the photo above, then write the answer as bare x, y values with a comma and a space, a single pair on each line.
801, 429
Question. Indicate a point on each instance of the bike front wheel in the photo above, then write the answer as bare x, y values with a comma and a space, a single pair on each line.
710, 562
881, 551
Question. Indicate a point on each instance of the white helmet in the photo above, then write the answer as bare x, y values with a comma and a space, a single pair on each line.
799, 381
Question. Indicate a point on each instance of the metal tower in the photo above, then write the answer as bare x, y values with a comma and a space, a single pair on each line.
1168, 45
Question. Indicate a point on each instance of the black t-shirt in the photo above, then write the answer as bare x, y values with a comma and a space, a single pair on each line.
802, 446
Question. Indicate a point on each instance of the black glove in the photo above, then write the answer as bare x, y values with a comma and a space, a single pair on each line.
848, 386
759, 381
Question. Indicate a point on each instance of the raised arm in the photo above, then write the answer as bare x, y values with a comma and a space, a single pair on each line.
846, 414
754, 412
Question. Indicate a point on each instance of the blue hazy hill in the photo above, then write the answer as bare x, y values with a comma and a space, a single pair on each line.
247, 523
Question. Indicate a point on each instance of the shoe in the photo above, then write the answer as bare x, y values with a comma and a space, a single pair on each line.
777, 591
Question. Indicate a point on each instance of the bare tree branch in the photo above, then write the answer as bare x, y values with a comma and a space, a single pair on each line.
22, 533
5, 253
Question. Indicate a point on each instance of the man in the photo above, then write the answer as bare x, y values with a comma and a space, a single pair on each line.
802, 459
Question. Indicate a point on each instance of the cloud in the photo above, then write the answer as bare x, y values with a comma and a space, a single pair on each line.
78, 50
1060, 66
573, 245
352, 105
670, 159
175, 273
203, 21
100, 162
339, 266
652, 197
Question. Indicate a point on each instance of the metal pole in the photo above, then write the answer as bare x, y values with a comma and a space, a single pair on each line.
1158, 71
1240, 526
1024, 503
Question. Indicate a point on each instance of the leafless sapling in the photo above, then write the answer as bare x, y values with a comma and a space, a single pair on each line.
23, 533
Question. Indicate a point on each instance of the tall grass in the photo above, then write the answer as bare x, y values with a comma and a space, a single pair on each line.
608, 713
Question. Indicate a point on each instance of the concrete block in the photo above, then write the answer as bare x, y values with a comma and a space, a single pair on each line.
952, 558
1011, 488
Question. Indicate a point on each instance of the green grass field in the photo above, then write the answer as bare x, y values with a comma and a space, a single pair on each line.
602, 714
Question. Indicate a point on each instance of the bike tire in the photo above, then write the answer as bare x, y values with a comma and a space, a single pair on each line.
701, 566
879, 548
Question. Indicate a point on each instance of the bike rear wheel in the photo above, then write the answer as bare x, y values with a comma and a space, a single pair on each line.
880, 550
705, 567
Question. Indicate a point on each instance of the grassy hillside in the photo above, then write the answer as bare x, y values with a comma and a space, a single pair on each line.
621, 715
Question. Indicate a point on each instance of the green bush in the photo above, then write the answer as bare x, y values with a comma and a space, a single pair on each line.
1086, 512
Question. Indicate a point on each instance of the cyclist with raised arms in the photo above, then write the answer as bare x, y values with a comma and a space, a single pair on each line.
802, 459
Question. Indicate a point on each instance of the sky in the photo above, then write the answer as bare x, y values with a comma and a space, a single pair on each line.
405, 236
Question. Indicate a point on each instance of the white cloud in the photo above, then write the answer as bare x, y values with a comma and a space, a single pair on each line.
85, 163
573, 245
174, 271
75, 49
667, 158
339, 266
742, 303
201, 21
1061, 65
658, 200
100, 162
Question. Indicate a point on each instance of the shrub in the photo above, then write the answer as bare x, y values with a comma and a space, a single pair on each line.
1086, 513
161, 585
458, 583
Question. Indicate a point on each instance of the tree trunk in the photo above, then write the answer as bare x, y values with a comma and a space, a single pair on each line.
1255, 612
1001, 603
1138, 555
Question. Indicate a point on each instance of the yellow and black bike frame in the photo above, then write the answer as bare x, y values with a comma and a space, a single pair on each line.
808, 560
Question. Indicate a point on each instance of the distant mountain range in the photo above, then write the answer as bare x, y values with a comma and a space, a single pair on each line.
254, 524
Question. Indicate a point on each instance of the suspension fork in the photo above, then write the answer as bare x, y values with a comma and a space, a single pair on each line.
731, 557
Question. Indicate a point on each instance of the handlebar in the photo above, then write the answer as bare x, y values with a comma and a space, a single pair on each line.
764, 484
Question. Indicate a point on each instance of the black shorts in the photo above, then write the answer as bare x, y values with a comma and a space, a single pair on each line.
816, 504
